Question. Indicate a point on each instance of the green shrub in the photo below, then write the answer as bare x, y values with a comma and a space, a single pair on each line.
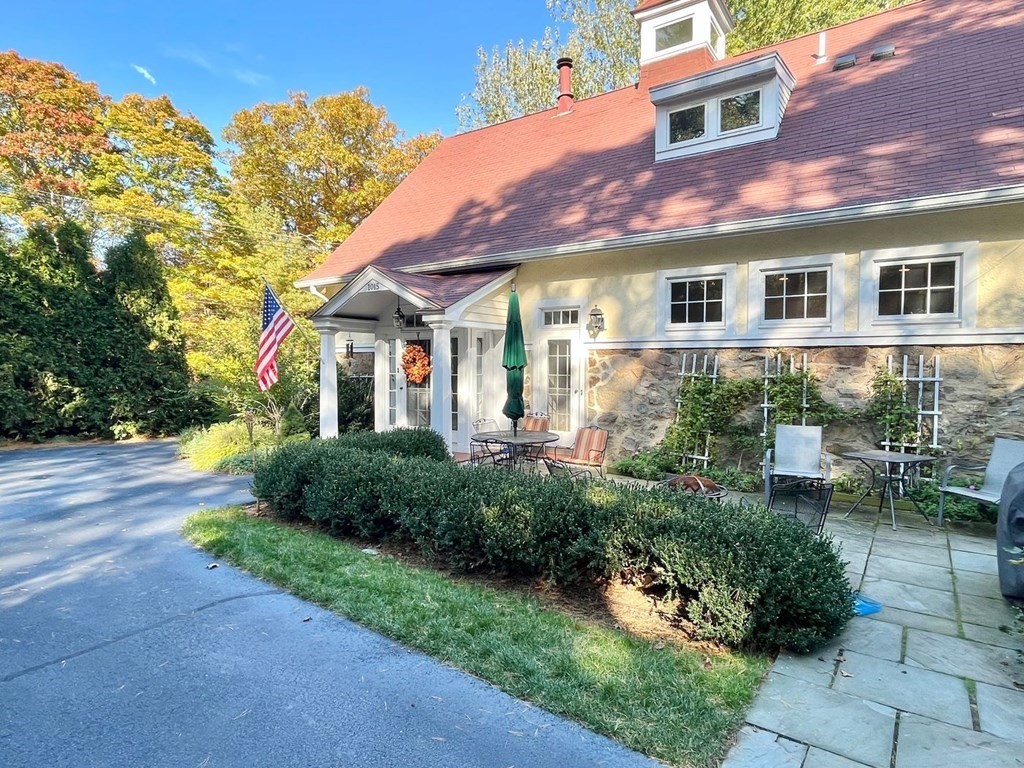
206, 448
400, 442
744, 577
347, 487
646, 465
282, 479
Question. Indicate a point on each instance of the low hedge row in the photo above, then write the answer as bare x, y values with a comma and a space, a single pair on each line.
745, 576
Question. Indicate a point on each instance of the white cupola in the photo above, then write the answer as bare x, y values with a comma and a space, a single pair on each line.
671, 27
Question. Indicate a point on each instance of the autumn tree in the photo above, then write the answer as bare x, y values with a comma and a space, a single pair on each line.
159, 172
218, 291
50, 135
322, 165
602, 38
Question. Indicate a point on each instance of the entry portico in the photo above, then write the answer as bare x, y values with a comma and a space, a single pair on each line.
459, 320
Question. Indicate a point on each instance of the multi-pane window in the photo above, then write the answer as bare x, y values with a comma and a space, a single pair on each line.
415, 321
696, 301
455, 385
686, 124
671, 35
561, 317
392, 382
478, 376
917, 288
796, 295
559, 383
740, 111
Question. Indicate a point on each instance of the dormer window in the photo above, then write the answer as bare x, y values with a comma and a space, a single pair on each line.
740, 104
740, 111
673, 35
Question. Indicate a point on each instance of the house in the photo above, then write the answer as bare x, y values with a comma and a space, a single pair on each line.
846, 195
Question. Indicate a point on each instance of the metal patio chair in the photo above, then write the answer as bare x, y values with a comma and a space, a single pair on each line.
797, 455
1006, 454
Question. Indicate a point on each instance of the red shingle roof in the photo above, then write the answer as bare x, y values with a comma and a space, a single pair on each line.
946, 115
444, 290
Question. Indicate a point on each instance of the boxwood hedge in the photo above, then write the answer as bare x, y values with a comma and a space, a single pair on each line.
744, 576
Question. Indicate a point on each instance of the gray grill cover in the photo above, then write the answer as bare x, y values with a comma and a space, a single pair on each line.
1010, 534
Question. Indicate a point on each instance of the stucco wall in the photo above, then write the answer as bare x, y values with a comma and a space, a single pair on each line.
624, 283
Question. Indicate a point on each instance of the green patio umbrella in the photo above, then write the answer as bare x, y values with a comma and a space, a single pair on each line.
513, 360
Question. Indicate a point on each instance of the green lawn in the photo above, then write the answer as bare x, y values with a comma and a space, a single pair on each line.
664, 703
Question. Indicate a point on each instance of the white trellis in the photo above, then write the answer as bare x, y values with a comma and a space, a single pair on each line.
928, 383
774, 367
691, 369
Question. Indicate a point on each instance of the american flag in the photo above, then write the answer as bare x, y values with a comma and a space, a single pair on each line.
276, 327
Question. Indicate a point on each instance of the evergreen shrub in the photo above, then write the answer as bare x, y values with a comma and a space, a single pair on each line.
744, 576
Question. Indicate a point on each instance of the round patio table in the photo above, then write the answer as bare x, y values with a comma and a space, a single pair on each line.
518, 442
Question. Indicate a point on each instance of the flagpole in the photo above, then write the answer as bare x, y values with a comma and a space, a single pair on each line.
313, 345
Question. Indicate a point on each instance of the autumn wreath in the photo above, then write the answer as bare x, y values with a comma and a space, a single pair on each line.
416, 364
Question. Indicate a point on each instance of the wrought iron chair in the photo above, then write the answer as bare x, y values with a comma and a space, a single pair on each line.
483, 451
805, 500
1006, 454
557, 468
535, 422
797, 456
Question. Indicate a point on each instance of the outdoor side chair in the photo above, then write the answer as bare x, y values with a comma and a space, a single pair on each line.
1006, 454
797, 455
535, 422
805, 500
483, 452
587, 451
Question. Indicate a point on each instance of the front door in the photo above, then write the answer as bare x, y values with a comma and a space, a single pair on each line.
417, 396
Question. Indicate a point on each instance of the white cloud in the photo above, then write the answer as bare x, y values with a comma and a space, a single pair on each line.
249, 77
218, 65
145, 73
192, 57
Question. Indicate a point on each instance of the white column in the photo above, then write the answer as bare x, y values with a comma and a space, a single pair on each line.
381, 374
441, 394
328, 384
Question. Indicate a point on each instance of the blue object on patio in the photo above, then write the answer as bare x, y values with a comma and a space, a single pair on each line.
865, 606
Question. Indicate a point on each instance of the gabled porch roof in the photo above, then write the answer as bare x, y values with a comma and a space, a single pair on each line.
369, 295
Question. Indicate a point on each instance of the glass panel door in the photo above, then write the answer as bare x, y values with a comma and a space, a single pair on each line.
417, 396
560, 385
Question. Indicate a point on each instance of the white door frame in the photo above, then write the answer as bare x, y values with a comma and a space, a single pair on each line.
576, 335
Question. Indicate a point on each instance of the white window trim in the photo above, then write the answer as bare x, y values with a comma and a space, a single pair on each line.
694, 36
726, 328
833, 263
966, 286
713, 119
768, 75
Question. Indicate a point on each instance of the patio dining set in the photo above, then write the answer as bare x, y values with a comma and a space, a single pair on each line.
532, 445
797, 470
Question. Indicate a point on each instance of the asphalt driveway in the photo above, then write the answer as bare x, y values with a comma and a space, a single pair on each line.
119, 647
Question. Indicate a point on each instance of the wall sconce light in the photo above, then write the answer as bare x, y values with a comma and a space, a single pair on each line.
398, 318
596, 319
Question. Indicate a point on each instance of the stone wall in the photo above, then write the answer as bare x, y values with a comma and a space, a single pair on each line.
632, 393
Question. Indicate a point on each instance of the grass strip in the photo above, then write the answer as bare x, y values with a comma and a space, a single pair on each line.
670, 704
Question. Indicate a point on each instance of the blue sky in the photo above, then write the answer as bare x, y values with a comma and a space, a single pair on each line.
213, 58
